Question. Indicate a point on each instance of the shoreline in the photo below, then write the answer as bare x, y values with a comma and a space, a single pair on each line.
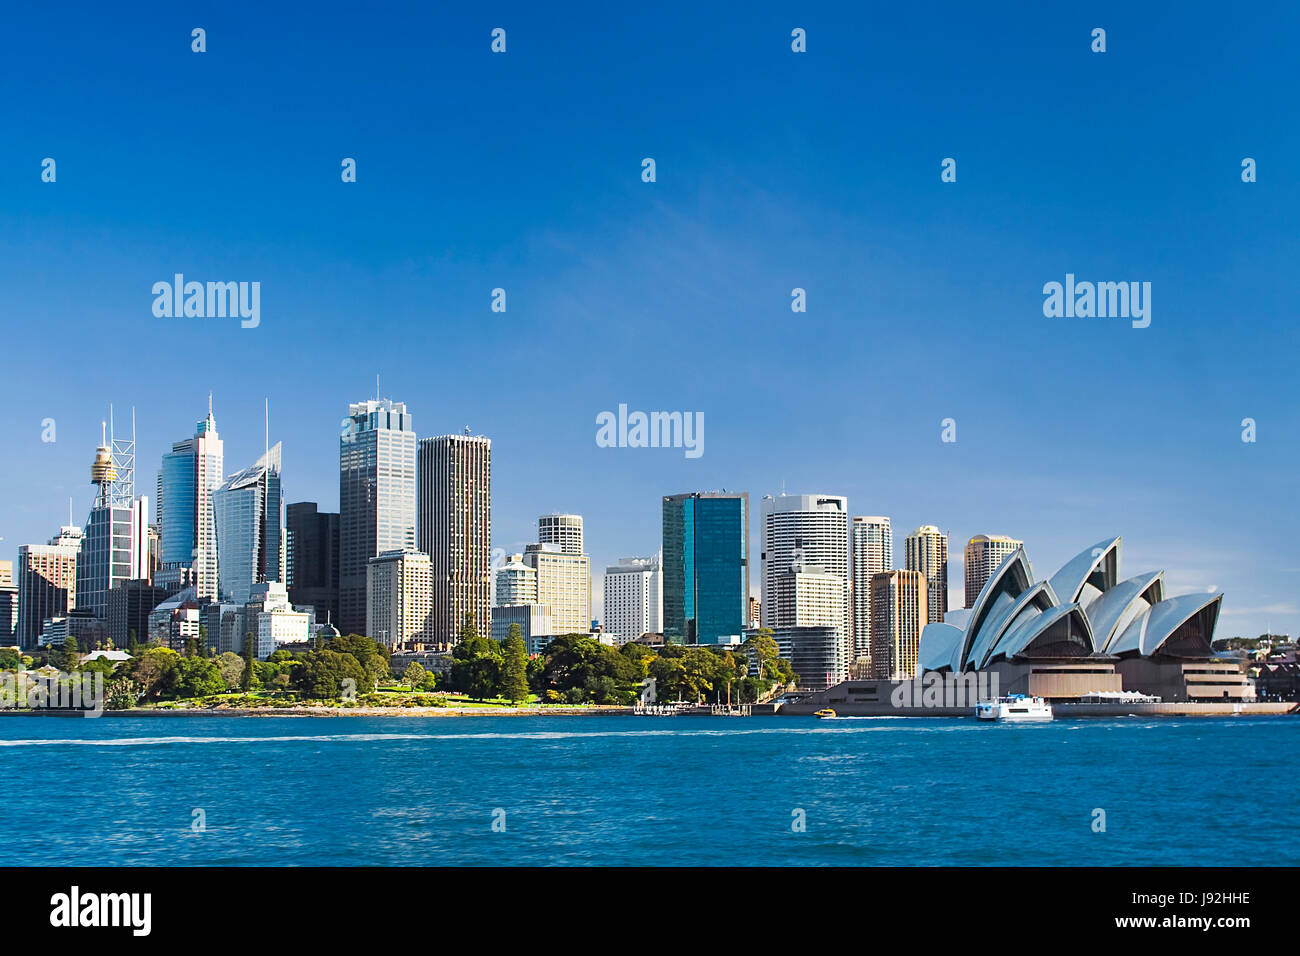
317, 711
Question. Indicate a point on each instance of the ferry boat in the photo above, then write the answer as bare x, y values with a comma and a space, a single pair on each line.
1015, 707
825, 712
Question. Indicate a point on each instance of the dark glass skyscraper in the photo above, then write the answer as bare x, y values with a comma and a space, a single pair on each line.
312, 552
705, 566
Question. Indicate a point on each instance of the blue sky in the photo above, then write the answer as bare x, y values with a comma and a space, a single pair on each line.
775, 170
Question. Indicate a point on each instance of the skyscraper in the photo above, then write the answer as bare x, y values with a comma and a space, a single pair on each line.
984, 553
456, 531
190, 473
114, 547
706, 566
564, 530
8, 604
898, 615
312, 559
47, 582
871, 540
805, 534
927, 552
377, 481
633, 599
248, 508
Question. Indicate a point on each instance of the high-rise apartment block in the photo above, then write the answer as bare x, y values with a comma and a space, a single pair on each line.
47, 582
927, 551
899, 612
871, 541
399, 585
984, 553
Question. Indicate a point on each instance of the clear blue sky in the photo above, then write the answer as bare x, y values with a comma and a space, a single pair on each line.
775, 170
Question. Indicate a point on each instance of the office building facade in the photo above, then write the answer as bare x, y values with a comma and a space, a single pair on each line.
805, 533
705, 566
899, 613
398, 587
455, 509
190, 473
311, 559
377, 495
926, 550
871, 543
633, 591
248, 509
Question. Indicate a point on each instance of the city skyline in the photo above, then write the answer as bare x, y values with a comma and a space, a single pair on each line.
899, 267
955, 556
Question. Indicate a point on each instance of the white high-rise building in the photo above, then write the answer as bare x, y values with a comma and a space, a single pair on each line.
805, 534
516, 583
564, 530
633, 599
872, 543
927, 552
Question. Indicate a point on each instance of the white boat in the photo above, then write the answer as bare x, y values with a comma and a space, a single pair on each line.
1015, 707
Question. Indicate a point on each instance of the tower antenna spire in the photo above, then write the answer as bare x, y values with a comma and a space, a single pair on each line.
268, 425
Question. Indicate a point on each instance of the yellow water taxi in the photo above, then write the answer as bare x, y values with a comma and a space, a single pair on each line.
827, 712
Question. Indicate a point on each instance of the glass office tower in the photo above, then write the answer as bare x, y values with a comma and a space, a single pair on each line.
248, 508
377, 500
705, 566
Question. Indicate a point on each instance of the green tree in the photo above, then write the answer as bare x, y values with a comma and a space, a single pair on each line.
246, 679
132, 642
514, 667
323, 673
231, 666
71, 656
371, 655
414, 675
195, 677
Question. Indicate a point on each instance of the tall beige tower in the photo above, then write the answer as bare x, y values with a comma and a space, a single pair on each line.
898, 615
398, 607
455, 530
927, 552
984, 553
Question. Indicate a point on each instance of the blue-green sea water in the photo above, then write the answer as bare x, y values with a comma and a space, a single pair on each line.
647, 791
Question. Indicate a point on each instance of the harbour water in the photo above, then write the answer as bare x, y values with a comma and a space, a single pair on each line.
641, 791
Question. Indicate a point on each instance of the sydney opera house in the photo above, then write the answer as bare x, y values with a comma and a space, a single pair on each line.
1083, 631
